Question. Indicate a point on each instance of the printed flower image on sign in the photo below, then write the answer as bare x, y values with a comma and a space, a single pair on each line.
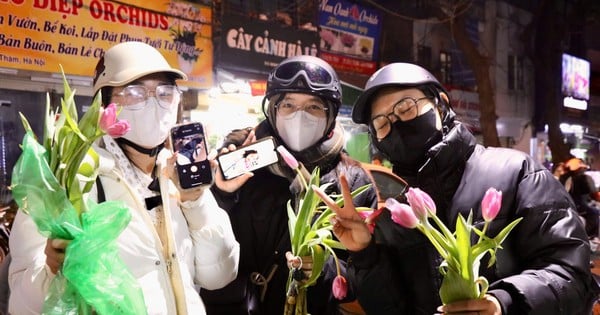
77, 33
183, 29
350, 35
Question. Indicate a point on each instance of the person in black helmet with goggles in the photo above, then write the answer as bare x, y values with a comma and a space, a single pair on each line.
543, 266
302, 100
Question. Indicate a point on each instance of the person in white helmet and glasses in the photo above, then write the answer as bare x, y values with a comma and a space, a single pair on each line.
543, 266
301, 104
204, 254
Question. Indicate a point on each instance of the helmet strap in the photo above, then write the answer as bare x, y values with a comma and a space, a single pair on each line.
150, 152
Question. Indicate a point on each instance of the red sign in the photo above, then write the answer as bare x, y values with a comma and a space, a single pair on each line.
258, 87
343, 63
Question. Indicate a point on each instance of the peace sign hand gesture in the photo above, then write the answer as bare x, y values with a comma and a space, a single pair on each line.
348, 226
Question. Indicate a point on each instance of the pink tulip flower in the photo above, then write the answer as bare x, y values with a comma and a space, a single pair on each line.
490, 204
421, 202
118, 129
369, 217
108, 116
402, 213
340, 287
289, 159
109, 123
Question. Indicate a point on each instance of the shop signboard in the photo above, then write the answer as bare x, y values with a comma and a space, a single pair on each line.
575, 77
466, 106
349, 36
258, 87
40, 35
257, 46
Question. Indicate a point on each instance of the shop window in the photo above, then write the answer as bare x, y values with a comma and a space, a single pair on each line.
446, 67
424, 56
515, 73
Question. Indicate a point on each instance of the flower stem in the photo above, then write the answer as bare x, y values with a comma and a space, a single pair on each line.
302, 179
425, 230
483, 231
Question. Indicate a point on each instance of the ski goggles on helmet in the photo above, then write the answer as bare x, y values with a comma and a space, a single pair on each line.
317, 77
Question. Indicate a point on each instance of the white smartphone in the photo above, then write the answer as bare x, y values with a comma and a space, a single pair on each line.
248, 158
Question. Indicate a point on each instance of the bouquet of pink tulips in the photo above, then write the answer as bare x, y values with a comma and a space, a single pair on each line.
50, 183
311, 235
460, 268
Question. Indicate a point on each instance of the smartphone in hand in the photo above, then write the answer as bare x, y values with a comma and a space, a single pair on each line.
192, 167
248, 158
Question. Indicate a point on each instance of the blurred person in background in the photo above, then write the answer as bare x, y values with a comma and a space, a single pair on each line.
138, 79
584, 192
302, 100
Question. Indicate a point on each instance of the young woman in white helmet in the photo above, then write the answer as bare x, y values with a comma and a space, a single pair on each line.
302, 100
169, 262
543, 265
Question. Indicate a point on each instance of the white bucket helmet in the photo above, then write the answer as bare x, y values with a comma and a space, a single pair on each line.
128, 61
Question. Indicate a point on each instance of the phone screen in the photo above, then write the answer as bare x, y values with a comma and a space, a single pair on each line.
193, 166
248, 158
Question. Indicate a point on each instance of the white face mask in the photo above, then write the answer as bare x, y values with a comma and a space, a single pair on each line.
301, 129
150, 125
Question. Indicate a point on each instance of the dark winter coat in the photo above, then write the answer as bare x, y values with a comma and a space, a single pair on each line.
543, 268
259, 219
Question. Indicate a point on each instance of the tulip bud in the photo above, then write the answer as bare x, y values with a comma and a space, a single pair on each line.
109, 123
340, 287
402, 213
490, 204
108, 116
118, 129
421, 202
289, 159
369, 217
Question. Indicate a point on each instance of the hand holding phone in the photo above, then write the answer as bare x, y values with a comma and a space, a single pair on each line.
248, 158
192, 165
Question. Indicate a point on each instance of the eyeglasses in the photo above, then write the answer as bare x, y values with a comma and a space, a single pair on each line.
404, 110
134, 96
315, 75
314, 109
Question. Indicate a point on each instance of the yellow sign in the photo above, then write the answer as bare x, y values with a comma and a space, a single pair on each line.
41, 34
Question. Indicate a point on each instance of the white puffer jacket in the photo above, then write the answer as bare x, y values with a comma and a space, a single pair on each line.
206, 248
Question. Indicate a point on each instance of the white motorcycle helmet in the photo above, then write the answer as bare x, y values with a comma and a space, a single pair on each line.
128, 61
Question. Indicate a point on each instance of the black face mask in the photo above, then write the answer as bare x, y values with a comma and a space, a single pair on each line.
408, 141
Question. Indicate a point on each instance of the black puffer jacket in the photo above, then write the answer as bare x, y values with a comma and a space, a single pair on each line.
258, 216
543, 268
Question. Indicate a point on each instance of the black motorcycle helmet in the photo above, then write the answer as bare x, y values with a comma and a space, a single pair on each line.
303, 74
402, 75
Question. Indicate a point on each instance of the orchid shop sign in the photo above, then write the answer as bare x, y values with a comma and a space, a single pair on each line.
349, 36
258, 46
41, 34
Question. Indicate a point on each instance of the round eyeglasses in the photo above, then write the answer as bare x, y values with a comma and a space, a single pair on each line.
404, 110
134, 96
315, 109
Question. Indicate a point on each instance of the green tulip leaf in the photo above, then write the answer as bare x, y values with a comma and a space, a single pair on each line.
463, 242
